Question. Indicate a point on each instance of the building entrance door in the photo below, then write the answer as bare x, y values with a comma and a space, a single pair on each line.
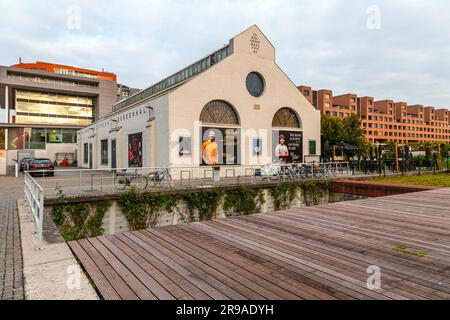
90, 155
113, 154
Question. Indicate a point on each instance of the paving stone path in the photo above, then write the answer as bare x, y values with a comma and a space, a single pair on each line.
11, 275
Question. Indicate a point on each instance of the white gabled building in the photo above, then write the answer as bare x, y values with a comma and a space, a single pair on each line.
239, 93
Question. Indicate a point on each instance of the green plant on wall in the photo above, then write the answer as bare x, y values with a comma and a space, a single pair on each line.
78, 221
203, 203
243, 201
284, 194
81, 220
314, 191
144, 210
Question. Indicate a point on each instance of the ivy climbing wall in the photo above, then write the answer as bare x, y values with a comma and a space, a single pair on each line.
135, 210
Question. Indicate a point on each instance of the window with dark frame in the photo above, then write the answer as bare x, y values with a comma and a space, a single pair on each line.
86, 153
312, 147
104, 151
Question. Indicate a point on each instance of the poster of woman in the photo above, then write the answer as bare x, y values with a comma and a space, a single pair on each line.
135, 150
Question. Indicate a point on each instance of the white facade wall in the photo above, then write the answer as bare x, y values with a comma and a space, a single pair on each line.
134, 120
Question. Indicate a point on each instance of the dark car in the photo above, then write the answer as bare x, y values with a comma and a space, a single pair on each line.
23, 164
40, 167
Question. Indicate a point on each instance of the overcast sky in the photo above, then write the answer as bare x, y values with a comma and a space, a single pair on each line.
390, 49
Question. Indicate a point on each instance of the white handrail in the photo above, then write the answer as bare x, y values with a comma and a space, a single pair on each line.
34, 195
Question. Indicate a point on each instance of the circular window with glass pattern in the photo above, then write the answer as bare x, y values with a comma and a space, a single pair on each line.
255, 84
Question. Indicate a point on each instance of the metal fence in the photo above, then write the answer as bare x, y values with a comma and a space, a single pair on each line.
34, 195
74, 182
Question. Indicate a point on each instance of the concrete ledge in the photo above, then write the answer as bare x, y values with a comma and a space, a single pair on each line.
52, 273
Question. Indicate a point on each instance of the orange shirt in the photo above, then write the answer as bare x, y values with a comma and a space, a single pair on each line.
209, 152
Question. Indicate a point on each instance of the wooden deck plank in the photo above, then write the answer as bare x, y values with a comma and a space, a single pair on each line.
318, 252
248, 275
129, 277
234, 255
135, 276
336, 261
169, 270
210, 285
227, 278
114, 278
158, 280
348, 247
101, 282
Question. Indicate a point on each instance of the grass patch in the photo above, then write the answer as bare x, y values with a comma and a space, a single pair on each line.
429, 180
411, 252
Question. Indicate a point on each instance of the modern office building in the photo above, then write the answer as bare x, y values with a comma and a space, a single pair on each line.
123, 92
385, 120
233, 107
43, 105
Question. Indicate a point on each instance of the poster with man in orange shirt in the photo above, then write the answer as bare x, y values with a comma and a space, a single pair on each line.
210, 150
220, 146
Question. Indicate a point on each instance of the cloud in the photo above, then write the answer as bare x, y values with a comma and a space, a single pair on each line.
324, 43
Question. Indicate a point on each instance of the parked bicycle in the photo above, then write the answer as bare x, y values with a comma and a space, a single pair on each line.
278, 172
161, 177
324, 170
124, 180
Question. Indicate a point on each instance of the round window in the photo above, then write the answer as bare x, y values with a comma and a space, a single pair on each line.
255, 84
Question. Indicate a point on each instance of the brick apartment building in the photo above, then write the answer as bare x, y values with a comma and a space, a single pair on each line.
385, 120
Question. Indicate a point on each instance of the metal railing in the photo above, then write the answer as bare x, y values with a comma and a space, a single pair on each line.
34, 195
78, 182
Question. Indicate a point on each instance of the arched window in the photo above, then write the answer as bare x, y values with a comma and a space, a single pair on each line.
286, 118
219, 112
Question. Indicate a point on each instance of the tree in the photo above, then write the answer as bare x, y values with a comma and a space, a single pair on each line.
343, 130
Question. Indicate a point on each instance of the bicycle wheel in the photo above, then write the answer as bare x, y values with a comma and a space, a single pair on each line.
168, 180
139, 182
120, 182
290, 174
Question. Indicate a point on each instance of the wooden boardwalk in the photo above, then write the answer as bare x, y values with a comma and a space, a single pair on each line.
310, 253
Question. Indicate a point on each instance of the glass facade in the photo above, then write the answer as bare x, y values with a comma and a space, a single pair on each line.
16, 138
50, 80
54, 135
49, 108
37, 138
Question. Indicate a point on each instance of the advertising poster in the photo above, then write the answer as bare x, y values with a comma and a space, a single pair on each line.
184, 146
220, 146
287, 146
257, 146
135, 150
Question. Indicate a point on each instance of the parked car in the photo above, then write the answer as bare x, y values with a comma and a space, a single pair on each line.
23, 164
41, 167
